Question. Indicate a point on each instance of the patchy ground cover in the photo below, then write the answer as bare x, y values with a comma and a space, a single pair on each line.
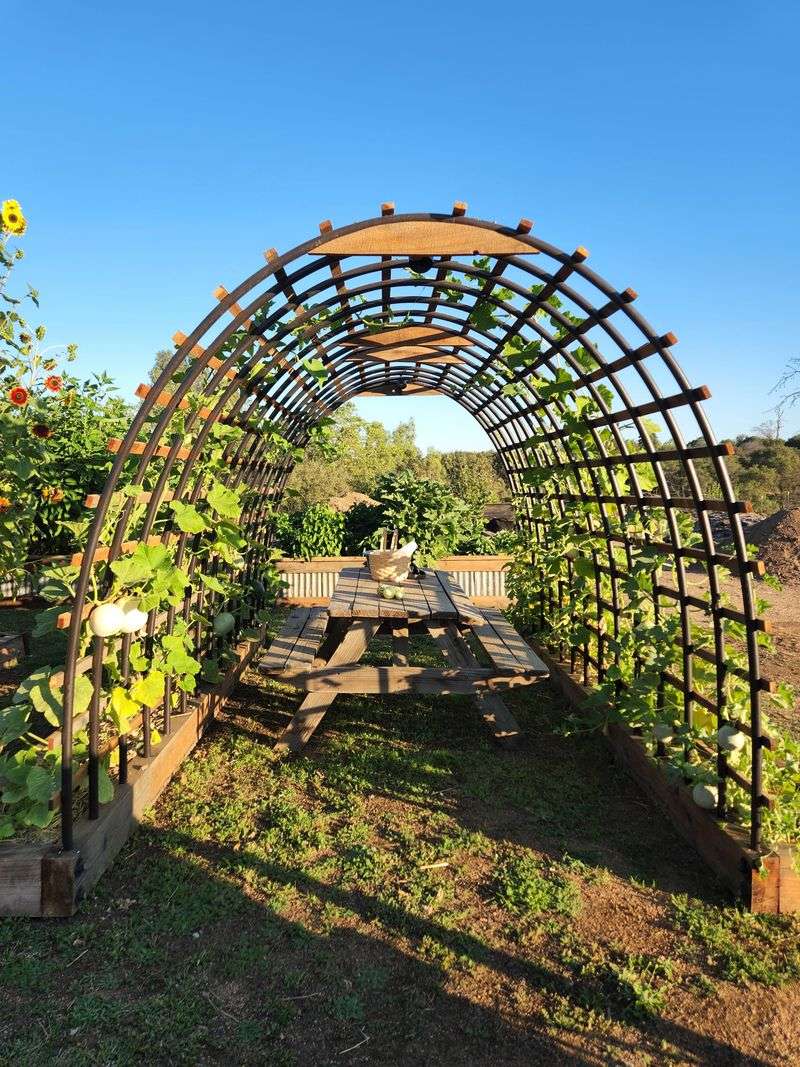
402, 893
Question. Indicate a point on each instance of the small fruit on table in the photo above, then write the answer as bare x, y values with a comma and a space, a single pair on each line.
390, 592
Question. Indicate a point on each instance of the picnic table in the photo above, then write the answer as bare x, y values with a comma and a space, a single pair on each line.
319, 650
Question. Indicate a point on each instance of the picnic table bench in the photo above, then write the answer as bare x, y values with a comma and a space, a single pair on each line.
319, 649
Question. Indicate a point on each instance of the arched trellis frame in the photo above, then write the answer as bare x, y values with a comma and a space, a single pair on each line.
481, 313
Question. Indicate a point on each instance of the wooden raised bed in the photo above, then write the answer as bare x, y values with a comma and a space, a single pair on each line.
43, 881
764, 883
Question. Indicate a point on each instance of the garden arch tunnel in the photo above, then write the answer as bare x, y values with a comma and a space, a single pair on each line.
554, 363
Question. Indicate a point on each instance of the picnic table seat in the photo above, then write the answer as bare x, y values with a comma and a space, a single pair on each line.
298, 642
506, 648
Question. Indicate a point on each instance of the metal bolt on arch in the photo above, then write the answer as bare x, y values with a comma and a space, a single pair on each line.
423, 305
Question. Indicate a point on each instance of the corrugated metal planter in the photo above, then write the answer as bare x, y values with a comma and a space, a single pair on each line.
312, 581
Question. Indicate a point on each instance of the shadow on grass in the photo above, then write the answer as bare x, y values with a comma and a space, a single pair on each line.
226, 933
174, 960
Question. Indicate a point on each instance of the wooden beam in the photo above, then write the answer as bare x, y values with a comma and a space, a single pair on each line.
353, 678
410, 353
396, 336
114, 444
424, 238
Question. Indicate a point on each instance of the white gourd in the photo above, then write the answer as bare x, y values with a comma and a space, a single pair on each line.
106, 620
662, 731
705, 796
133, 618
730, 739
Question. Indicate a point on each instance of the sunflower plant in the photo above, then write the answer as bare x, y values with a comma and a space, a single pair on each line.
31, 387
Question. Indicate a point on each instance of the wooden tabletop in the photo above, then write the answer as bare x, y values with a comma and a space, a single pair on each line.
435, 596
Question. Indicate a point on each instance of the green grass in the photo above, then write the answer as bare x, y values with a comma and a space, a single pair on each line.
526, 888
403, 890
742, 947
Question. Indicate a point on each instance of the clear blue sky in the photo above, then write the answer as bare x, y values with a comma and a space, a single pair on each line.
158, 148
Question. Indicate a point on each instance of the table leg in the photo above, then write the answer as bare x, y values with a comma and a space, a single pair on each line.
400, 645
493, 711
312, 711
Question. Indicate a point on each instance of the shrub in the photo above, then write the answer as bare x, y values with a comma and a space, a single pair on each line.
32, 403
429, 513
360, 525
316, 531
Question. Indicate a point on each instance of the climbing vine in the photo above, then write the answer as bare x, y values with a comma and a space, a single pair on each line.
169, 609
585, 581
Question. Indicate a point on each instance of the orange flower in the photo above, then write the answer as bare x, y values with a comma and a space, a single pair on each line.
54, 383
40, 430
53, 495
18, 396
5, 503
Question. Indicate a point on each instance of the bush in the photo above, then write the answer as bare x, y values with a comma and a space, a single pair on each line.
429, 513
316, 531
76, 461
360, 524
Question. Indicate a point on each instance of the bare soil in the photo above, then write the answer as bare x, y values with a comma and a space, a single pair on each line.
778, 541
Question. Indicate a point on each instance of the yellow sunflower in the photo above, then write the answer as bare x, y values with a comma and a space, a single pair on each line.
12, 218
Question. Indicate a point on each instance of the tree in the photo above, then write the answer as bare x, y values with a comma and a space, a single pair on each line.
475, 476
364, 452
163, 356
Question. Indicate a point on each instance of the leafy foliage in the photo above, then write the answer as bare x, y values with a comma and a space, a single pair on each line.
316, 531
427, 512
561, 582
32, 398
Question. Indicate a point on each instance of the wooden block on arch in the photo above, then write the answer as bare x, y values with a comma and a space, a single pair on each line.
408, 354
425, 237
418, 334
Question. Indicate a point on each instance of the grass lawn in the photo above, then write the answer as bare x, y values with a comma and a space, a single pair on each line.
403, 893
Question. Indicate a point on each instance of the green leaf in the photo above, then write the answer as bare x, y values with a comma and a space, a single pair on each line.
46, 621
213, 583
122, 708
188, 518
132, 571
41, 784
106, 786
584, 567
83, 694
139, 662
39, 815
13, 723
224, 501
47, 702
149, 690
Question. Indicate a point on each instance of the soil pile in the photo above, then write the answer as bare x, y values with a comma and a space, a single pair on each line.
778, 541
348, 500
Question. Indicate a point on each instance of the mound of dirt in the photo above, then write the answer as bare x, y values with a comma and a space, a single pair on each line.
778, 540
348, 500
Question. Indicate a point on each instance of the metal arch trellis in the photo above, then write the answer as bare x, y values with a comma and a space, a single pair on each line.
296, 340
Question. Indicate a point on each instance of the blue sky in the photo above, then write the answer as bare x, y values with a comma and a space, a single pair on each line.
158, 148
